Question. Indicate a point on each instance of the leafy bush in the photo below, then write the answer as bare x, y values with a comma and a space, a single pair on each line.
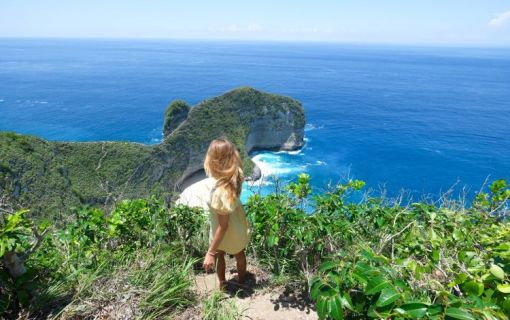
140, 243
138, 223
379, 259
15, 231
188, 226
290, 239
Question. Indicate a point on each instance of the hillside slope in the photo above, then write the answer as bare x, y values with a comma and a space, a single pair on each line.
50, 177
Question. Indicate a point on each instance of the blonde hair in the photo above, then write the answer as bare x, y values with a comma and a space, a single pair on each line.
223, 163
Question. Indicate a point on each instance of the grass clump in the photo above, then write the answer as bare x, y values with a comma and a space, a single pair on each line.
218, 307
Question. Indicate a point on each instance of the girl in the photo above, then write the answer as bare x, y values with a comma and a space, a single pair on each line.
229, 228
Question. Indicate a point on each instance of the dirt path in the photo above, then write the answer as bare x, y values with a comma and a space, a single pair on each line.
258, 300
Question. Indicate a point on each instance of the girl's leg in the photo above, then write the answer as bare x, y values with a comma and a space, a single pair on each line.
241, 266
220, 268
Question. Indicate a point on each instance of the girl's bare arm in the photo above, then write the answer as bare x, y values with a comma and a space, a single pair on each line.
218, 236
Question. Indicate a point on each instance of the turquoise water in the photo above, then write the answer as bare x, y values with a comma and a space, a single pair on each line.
415, 118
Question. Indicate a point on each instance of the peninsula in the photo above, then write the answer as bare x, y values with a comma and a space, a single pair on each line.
50, 177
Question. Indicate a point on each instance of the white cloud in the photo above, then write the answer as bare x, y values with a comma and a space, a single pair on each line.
254, 27
500, 20
233, 28
251, 28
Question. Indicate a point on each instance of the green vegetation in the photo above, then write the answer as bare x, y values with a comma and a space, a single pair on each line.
129, 261
51, 177
217, 307
175, 114
371, 259
380, 259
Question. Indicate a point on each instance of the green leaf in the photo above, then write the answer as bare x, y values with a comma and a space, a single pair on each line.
434, 310
505, 288
380, 313
388, 296
335, 307
359, 274
460, 278
314, 292
506, 305
362, 267
346, 301
497, 272
376, 285
415, 310
473, 287
328, 265
488, 315
503, 247
322, 308
457, 234
435, 255
458, 313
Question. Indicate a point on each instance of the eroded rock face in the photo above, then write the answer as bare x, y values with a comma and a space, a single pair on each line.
281, 133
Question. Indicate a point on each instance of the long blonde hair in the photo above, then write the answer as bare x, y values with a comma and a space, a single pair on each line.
223, 163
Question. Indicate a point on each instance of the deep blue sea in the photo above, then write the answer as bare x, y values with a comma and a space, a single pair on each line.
399, 117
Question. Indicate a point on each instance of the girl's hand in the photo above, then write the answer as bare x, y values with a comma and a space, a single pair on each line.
209, 261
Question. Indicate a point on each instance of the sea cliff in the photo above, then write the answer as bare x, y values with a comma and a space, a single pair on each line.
50, 177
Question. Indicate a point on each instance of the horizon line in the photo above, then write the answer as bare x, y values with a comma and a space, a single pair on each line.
274, 41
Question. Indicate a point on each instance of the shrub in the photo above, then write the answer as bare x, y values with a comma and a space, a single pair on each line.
141, 245
376, 259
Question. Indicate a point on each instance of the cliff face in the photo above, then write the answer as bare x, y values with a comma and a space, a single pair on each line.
50, 177
281, 133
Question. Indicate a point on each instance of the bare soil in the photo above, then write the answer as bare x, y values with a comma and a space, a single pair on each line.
257, 298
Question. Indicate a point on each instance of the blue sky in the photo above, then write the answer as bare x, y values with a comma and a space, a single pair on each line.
480, 22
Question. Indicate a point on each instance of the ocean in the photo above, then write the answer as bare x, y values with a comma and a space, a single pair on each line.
403, 119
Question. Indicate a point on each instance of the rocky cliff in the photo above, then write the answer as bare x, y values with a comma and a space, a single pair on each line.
50, 177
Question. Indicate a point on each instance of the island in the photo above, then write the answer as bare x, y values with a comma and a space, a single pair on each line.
50, 177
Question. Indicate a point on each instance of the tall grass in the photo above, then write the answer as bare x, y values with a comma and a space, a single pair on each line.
217, 307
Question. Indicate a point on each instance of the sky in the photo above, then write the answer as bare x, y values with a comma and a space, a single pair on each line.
449, 22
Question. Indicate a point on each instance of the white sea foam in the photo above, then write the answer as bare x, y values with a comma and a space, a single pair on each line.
156, 136
294, 152
269, 164
274, 165
311, 126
